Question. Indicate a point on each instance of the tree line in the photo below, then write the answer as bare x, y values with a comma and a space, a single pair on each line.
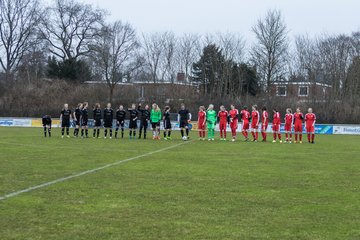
74, 42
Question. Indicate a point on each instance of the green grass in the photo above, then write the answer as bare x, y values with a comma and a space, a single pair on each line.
199, 190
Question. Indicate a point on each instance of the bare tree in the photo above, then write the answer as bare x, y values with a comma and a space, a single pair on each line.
115, 53
18, 19
270, 51
69, 27
189, 50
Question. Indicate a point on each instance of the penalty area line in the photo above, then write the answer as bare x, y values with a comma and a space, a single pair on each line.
46, 184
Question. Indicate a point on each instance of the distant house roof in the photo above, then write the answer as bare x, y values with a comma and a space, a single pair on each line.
140, 83
302, 83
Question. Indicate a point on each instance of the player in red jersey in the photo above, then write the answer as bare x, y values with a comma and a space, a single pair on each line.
289, 119
201, 122
223, 117
276, 125
255, 119
264, 123
310, 120
245, 117
234, 119
298, 121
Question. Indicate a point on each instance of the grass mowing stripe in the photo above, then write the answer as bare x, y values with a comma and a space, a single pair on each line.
13, 194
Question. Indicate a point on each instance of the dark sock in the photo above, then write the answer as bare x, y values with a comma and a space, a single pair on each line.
94, 132
182, 132
116, 132
187, 132
169, 133
49, 131
44, 131
86, 132
134, 133
105, 132
130, 133
110, 132
122, 132
62, 131
82, 132
164, 134
67, 131
98, 132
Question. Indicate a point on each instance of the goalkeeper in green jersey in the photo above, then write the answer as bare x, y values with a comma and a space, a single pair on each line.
211, 118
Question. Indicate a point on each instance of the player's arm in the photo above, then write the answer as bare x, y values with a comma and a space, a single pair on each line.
189, 117
314, 120
178, 118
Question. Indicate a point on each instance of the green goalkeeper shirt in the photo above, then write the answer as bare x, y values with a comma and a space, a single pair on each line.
211, 117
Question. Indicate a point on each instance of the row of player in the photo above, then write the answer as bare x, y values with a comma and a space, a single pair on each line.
207, 119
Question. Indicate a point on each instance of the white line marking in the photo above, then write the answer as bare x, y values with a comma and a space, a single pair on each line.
13, 194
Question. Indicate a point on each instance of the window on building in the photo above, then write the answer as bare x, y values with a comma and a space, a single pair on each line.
281, 91
303, 91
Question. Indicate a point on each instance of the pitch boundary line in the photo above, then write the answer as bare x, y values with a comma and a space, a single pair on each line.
13, 194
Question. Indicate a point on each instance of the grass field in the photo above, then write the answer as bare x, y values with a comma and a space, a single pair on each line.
192, 190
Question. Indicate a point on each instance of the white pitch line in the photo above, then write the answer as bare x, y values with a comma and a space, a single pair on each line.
13, 194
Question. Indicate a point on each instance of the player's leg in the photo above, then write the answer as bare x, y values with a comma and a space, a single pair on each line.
140, 129
45, 130
122, 129
49, 130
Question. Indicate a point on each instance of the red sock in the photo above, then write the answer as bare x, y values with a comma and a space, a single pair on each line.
296, 137
286, 135
279, 136
313, 136
256, 135
253, 134
290, 136
300, 137
309, 137
264, 135
274, 136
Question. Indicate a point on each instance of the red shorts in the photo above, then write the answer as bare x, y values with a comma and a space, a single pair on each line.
201, 126
234, 124
245, 126
264, 127
276, 127
222, 125
254, 125
287, 128
298, 128
310, 129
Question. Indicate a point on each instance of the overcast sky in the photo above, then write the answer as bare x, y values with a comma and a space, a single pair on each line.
209, 16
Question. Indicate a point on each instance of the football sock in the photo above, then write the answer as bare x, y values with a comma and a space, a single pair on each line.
49, 131
182, 132
45, 131
110, 132
105, 132
279, 136
97, 132
187, 132
94, 132
62, 132
86, 132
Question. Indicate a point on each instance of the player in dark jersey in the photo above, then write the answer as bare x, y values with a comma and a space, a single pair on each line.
133, 121
184, 117
77, 119
144, 119
65, 120
97, 120
167, 123
84, 120
46, 122
120, 120
108, 120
